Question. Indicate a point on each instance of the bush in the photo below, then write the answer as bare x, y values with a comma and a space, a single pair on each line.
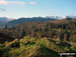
13, 44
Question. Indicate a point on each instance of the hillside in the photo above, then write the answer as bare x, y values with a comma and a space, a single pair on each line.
53, 29
39, 39
36, 47
25, 20
64, 29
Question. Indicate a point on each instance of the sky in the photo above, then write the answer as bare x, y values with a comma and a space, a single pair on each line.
35, 8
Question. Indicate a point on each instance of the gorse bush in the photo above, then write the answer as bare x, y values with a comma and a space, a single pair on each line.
35, 47
13, 44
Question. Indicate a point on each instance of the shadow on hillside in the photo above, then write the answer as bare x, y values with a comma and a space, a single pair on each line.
4, 38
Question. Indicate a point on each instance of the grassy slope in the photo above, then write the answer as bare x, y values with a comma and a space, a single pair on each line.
35, 47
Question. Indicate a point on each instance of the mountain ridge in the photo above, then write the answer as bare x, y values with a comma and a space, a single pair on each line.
34, 19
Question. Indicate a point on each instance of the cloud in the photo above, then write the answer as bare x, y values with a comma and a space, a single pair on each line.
4, 2
2, 9
32, 3
16, 2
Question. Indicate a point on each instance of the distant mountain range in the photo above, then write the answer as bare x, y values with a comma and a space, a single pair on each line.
34, 19
13, 22
3, 21
57, 17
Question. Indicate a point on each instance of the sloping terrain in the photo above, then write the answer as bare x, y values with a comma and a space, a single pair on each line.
35, 47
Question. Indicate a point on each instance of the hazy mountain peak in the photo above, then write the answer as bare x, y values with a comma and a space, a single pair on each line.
3, 19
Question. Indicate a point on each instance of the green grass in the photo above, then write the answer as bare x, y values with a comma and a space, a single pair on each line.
35, 47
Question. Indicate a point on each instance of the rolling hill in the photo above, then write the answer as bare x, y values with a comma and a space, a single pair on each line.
24, 20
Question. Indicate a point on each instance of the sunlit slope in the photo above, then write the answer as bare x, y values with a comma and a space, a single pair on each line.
35, 47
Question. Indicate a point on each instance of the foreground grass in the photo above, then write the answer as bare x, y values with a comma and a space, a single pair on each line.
35, 47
